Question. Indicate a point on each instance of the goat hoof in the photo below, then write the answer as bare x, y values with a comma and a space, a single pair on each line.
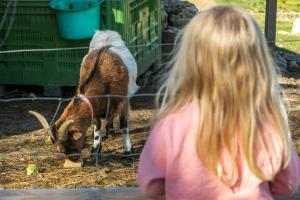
130, 158
96, 151
130, 151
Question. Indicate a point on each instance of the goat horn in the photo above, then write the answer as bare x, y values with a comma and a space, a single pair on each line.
44, 123
62, 131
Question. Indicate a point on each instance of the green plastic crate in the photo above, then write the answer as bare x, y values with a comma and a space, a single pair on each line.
138, 22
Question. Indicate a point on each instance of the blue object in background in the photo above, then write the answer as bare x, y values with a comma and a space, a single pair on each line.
77, 19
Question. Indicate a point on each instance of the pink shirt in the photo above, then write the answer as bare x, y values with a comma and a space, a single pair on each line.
170, 166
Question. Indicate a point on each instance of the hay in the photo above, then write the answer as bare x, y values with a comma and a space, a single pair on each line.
50, 172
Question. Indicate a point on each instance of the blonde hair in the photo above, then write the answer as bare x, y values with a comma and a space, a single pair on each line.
224, 65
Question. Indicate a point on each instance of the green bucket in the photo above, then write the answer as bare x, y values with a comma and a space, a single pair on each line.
77, 19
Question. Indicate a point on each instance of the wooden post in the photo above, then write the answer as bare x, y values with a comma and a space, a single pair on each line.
270, 22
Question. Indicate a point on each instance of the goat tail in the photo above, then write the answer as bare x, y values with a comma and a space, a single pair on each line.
86, 72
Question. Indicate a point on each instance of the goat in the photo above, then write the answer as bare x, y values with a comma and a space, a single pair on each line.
113, 39
102, 72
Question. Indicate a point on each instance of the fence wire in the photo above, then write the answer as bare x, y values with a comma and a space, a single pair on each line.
35, 155
58, 108
11, 20
108, 97
129, 46
11, 5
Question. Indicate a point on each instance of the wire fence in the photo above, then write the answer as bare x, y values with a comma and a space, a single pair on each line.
129, 46
10, 12
55, 116
60, 100
36, 154
38, 151
11, 6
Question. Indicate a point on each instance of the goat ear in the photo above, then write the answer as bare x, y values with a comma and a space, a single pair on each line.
77, 136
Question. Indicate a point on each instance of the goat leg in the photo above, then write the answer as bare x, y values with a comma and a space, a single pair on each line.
125, 131
110, 123
97, 137
128, 148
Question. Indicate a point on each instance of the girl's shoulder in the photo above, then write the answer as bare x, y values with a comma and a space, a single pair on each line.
181, 115
174, 126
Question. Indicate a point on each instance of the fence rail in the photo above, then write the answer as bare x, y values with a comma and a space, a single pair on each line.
90, 194
71, 194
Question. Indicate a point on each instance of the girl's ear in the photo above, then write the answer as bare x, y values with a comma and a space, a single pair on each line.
77, 136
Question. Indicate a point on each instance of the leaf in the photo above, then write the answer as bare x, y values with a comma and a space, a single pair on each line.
48, 140
31, 95
30, 169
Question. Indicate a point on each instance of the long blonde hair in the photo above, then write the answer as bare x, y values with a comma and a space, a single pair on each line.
224, 65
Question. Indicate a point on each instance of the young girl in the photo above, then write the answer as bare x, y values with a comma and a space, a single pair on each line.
222, 129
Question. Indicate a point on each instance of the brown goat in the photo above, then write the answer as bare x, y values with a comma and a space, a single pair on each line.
102, 73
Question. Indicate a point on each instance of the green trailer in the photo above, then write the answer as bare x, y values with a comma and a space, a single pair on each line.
35, 27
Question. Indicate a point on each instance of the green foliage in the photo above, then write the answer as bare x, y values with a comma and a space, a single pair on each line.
290, 42
289, 5
260, 5
283, 28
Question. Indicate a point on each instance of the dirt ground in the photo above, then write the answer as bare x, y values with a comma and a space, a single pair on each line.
20, 134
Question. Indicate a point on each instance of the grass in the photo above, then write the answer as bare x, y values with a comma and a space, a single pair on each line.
290, 42
260, 5
283, 38
253, 5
